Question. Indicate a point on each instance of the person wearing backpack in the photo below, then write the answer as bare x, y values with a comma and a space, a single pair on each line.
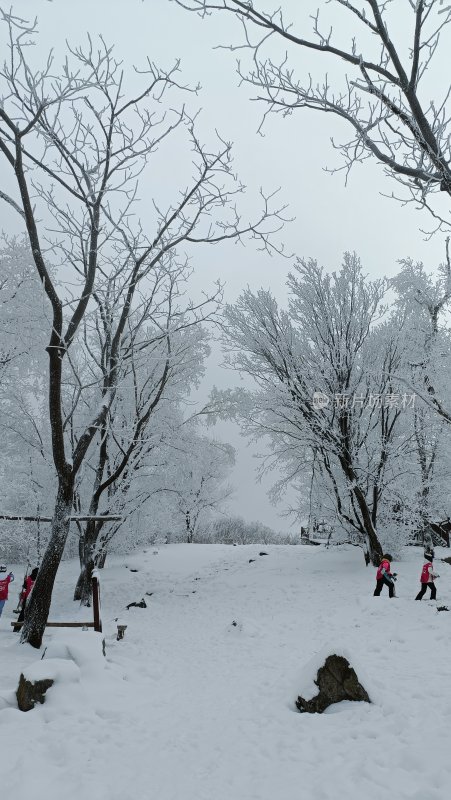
4, 586
385, 577
427, 578
26, 591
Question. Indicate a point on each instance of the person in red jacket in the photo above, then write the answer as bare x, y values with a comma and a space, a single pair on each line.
4, 586
427, 578
24, 595
385, 577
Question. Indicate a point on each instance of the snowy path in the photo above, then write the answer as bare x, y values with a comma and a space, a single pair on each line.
191, 707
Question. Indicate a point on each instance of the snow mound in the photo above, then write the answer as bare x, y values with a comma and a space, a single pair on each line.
58, 670
83, 648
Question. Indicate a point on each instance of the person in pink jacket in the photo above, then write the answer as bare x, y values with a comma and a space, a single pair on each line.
4, 586
427, 578
385, 577
27, 587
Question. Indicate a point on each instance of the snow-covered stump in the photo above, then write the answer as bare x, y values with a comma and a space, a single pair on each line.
31, 692
68, 659
336, 681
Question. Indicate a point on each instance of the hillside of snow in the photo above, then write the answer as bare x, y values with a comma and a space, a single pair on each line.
197, 702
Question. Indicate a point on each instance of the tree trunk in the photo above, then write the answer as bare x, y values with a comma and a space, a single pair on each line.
373, 550
79, 584
90, 557
37, 611
189, 532
86, 549
85, 581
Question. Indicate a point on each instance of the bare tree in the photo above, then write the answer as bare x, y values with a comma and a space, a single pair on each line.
161, 354
383, 98
76, 146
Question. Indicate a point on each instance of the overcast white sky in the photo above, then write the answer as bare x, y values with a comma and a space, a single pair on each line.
330, 218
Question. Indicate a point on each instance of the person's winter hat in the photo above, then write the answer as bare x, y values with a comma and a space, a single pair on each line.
429, 556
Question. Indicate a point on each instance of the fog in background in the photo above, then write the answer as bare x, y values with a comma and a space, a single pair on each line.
330, 217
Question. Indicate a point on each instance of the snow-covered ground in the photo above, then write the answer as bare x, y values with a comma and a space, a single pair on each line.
190, 706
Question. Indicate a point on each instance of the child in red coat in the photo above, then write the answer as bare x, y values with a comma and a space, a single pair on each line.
385, 577
427, 578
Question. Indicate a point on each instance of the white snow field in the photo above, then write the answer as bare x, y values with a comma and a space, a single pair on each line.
190, 706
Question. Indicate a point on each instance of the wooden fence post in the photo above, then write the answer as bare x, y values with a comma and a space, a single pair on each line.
96, 604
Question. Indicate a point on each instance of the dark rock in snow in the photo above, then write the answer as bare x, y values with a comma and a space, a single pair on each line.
30, 692
149, 594
336, 681
133, 570
141, 604
251, 560
442, 608
263, 553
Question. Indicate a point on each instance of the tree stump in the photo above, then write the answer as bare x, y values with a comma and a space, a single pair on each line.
336, 681
31, 692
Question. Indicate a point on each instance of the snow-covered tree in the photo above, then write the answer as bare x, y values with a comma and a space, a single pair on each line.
424, 300
195, 480
77, 142
326, 391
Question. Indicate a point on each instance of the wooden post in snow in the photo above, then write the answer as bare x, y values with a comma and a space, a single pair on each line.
96, 604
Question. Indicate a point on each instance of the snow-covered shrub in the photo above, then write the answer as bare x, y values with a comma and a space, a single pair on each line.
235, 530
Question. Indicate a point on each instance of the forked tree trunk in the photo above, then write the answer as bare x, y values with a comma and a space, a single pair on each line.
38, 608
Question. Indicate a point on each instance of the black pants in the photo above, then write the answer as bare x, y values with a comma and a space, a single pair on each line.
384, 582
423, 590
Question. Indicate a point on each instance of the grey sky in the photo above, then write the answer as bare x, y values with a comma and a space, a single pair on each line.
330, 218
